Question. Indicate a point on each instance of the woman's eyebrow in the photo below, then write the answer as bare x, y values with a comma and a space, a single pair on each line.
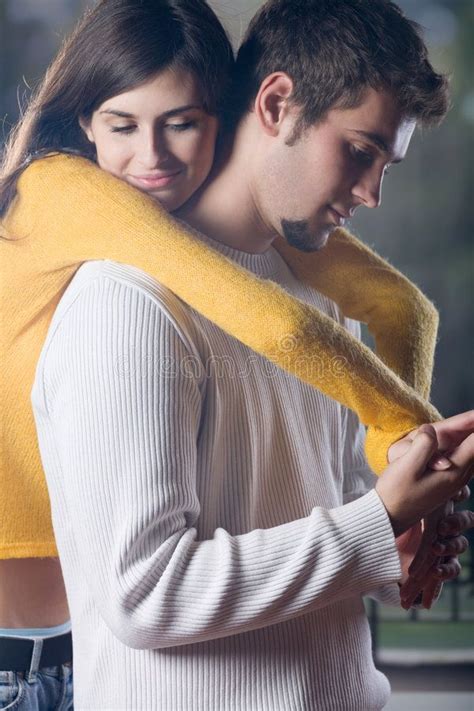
181, 109
114, 112
166, 114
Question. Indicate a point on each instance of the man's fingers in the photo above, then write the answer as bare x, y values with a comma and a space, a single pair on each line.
422, 563
448, 569
451, 546
398, 449
462, 495
455, 523
425, 557
431, 592
409, 591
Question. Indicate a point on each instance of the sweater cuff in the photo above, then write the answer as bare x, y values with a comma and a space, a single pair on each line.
388, 595
367, 526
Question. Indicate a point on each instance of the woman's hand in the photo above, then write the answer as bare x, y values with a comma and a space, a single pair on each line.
449, 432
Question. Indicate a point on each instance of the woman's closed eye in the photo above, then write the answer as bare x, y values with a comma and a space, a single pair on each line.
182, 126
178, 127
123, 129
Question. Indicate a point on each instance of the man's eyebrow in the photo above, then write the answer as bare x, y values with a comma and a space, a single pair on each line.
166, 114
379, 141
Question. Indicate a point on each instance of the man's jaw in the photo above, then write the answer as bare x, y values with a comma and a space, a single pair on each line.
298, 234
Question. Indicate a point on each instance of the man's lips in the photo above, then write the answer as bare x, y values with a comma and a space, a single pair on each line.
155, 180
339, 218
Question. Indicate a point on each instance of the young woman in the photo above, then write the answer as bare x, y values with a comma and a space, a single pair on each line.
100, 88
112, 52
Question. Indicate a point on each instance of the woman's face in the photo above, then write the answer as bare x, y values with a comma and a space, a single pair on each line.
156, 136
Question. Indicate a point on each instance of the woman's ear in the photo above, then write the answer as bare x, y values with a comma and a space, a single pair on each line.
272, 104
85, 124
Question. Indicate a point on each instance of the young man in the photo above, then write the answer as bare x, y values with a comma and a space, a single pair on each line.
232, 528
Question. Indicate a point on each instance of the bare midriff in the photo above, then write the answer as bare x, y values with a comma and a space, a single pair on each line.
32, 593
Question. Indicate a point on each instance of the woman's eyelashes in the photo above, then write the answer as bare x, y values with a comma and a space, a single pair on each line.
177, 127
183, 126
122, 129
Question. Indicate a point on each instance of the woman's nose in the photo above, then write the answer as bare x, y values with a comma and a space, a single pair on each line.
153, 149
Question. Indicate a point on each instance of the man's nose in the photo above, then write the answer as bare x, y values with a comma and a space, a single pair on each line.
369, 189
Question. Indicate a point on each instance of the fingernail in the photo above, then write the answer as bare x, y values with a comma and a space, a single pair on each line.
439, 571
442, 463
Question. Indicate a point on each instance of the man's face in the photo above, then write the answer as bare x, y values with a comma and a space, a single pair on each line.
309, 188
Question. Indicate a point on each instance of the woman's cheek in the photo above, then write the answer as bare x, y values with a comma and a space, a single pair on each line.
114, 159
194, 152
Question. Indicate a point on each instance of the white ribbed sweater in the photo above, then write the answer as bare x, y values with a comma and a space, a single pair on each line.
197, 495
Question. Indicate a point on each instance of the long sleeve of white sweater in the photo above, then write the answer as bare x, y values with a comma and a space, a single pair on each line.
176, 525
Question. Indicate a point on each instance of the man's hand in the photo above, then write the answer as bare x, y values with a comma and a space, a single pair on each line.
410, 491
428, 565
436, 560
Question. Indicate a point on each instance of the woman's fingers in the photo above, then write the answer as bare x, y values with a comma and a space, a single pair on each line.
453, 430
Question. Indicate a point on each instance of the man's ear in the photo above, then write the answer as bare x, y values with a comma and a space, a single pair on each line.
272, 104
86, 127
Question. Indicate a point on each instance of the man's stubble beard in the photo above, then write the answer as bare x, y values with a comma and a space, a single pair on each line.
298, 235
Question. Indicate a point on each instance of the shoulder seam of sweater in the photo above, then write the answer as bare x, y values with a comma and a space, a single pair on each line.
82, 289
129, 284
127, 281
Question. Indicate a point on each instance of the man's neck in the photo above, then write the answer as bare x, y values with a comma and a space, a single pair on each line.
225, 208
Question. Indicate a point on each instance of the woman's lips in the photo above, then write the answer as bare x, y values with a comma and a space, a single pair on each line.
152, 182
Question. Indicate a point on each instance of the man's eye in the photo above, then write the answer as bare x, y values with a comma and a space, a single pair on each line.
362, 156
122, 129
184, 126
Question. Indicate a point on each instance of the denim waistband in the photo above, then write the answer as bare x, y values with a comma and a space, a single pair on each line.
33, 632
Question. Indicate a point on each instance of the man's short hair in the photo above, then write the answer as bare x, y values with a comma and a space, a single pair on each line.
334, 50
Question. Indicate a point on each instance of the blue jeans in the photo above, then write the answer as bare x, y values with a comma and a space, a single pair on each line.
50, 689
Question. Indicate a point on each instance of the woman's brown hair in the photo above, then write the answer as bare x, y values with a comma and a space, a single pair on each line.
116, 46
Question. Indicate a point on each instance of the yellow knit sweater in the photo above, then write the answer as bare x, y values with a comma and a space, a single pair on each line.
68, 211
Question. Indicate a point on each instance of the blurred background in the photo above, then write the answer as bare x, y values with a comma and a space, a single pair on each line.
424, 227
425, 224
